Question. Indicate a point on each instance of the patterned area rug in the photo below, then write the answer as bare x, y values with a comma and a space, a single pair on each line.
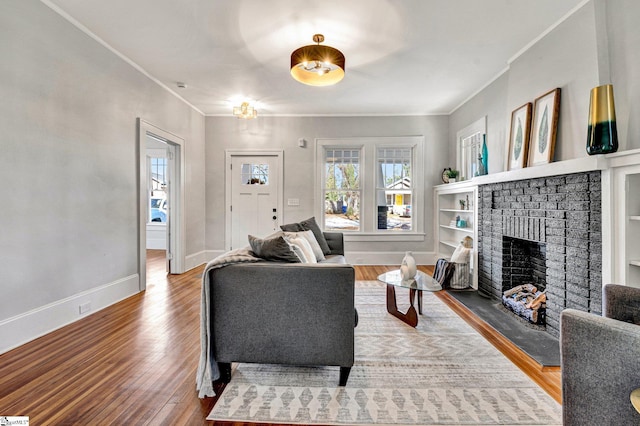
440, 373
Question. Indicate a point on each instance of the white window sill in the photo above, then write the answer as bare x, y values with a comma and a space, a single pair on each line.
380, 236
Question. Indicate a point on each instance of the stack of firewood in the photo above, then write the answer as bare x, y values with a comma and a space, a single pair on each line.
528, 295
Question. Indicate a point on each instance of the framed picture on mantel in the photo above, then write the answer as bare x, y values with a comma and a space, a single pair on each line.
519, 136
545, 126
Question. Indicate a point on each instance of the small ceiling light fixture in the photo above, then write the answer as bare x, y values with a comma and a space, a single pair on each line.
317, 65
245, 111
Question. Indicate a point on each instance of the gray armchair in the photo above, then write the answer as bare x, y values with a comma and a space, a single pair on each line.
600, 359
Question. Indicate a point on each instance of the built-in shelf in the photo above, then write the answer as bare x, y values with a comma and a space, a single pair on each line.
634, 217
634, 262
448, 199
469, 230
453, 244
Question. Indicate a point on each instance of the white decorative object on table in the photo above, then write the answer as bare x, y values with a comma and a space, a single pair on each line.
408, 267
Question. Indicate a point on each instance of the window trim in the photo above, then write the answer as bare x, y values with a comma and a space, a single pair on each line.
368, 220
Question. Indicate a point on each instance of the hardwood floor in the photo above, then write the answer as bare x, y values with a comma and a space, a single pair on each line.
135, 362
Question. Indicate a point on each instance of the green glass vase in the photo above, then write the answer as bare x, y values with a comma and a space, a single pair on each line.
602, 136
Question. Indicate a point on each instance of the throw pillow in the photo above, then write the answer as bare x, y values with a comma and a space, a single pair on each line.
298, 251
311, 239
309, 225
306, 248
313, 242
273, 249
461, 254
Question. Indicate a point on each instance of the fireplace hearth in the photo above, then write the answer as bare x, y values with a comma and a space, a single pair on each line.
561, 215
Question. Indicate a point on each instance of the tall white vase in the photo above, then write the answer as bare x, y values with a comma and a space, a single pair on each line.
408, 268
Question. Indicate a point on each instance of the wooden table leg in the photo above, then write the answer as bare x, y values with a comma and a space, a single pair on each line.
411, 316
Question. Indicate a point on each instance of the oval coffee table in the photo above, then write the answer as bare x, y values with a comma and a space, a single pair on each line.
421, 282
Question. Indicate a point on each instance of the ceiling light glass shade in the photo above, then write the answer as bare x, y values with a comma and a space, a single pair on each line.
317, 65
245, 111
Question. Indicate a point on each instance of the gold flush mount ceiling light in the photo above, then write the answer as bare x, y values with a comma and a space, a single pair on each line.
245, 111
317, 65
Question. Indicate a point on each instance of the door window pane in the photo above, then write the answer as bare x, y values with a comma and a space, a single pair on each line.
254, 174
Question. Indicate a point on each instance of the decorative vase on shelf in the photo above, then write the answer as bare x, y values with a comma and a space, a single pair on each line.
485, 156
408, 268
481, 169
602, 137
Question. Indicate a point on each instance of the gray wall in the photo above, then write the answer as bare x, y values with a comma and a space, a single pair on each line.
283, 133
622, 18
492, 103
568, 57
68, 164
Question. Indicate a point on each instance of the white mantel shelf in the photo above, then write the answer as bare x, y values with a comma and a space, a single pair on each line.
578, 165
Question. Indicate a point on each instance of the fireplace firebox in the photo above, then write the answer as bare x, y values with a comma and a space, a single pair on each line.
524, 278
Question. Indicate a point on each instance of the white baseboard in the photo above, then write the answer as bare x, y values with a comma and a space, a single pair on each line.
212, 254
28, 326
195, 260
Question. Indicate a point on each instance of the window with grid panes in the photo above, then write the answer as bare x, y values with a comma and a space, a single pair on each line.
369, 186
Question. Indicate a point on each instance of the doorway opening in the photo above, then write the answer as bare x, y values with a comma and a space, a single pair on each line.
161, 198
158, 159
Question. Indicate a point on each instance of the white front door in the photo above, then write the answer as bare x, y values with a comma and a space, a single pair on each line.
255, 197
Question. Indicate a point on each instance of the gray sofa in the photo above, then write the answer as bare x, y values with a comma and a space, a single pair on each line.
600, 359
284, 313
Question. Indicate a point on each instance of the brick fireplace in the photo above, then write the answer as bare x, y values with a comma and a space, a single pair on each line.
562, 214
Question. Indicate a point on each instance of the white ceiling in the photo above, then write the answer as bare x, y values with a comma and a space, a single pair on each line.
403, 57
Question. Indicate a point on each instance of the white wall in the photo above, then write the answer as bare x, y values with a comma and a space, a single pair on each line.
283, 133
69, 170
571, 57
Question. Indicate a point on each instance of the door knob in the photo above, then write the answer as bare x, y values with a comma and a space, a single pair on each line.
274, 218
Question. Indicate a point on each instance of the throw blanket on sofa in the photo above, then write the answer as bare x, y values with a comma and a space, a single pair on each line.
207, 367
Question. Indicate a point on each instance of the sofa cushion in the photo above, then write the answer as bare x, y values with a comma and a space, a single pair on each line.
309, 225
273, 249
335, 258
